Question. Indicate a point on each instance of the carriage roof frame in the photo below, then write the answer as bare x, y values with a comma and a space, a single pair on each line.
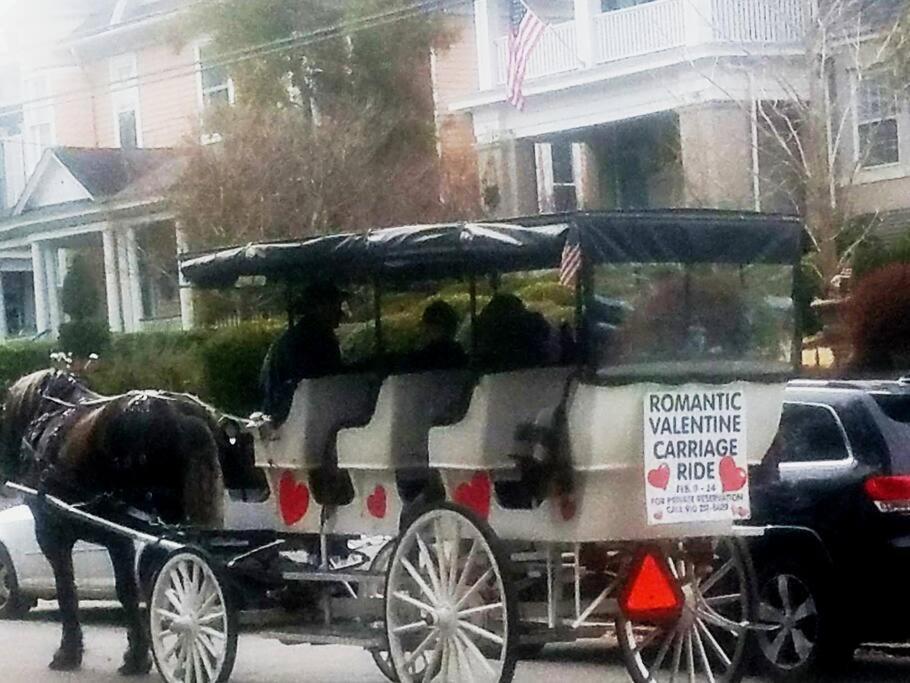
685, 236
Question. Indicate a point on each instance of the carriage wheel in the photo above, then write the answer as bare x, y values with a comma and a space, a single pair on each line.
192, 625
708, 640
383, 658
450, 609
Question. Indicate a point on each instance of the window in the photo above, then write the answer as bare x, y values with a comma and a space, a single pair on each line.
810, 433
126, 129
215, 84
39, 121
877, 126
564, 195
125, 100
556, 186
676, 319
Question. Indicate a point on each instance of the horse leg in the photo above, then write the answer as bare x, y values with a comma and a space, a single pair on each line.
137, 660
57, 547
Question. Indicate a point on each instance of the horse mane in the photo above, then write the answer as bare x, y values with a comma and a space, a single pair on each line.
25, 400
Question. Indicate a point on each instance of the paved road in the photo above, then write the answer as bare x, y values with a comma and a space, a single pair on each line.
26, 646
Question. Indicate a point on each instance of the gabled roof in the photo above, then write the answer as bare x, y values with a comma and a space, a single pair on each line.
107, 174
114, 13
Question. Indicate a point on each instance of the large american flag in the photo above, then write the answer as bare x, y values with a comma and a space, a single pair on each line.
525, 29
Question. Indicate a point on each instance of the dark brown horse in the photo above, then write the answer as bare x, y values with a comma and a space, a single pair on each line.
151, 451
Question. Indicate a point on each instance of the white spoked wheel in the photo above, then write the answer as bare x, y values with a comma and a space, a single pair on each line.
193, 632
707, 643
450, 609
382, 658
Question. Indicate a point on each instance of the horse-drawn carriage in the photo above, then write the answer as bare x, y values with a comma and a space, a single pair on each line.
603, 490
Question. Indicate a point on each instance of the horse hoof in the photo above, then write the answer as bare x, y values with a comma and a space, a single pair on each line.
136, 665
66, 660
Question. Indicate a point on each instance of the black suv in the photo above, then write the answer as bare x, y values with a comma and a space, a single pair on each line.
834, 568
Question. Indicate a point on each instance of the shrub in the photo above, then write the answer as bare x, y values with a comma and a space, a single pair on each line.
22, 358
878, 320
80, 298
166, 361
84, 337
400, 335
232, 359
551, 292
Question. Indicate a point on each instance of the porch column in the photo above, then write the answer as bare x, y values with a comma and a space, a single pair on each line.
185, 291
486, 30
4, 332
134, 277
123, 271
585, 34
40, 286
53, 294
111, 281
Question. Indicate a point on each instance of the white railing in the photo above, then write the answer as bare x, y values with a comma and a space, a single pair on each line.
640, 30
554, 53
662, 25
759, 21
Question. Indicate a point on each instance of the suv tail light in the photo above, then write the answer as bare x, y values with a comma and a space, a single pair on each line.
890, 494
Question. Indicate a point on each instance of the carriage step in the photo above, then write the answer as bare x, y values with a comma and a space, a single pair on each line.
333, 576
358, 636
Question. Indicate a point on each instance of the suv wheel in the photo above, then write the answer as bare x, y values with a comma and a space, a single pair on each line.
798, 634
11, 603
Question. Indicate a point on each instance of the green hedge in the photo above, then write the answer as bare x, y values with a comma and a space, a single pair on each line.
160, 360
22, 358
231, 361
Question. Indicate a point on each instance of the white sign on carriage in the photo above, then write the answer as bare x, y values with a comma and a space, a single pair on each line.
695, 455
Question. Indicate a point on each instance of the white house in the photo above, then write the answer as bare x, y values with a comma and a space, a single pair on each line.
111, 202
655, 103
97, 111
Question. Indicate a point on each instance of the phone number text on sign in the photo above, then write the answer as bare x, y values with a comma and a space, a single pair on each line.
695, 456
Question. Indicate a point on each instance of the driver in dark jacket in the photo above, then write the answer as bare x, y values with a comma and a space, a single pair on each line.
307, 349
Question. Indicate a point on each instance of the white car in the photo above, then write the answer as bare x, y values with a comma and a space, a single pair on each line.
25, 576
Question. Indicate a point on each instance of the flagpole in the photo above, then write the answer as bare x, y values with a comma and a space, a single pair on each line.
549, 27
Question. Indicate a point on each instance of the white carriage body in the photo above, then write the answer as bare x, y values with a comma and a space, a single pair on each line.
401, 440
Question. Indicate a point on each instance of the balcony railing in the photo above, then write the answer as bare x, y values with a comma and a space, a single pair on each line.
661, 25
759, 21
553, 54
640, 30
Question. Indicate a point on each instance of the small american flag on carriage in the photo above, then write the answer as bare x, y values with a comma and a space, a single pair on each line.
525, 29
571, 262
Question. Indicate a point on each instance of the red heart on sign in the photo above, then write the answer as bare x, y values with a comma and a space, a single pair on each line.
376, 502
293, 499
732, 478
660, 478
476, 494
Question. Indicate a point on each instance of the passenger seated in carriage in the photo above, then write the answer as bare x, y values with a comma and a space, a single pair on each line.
509, 336
441, 351
308, 349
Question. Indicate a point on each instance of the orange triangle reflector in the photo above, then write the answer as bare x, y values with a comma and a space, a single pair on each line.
652, 594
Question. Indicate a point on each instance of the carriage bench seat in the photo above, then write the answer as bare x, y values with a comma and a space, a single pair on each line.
320, 407
485, 438
396, 437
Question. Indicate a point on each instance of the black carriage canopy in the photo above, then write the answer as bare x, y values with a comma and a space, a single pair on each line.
671, 236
